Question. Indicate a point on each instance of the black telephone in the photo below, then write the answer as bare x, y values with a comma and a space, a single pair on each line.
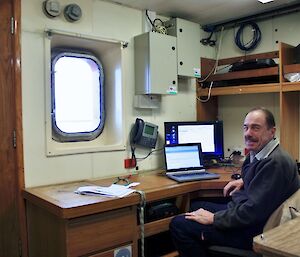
144, 133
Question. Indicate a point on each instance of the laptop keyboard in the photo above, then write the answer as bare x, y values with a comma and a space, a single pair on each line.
193, 175
185, 172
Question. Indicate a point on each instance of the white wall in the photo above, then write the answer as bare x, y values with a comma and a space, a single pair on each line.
232, 109
100, 19
105, 20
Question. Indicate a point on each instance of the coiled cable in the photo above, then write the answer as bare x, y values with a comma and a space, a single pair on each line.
239, 41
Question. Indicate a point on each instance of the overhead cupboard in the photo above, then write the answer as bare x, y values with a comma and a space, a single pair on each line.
256, 81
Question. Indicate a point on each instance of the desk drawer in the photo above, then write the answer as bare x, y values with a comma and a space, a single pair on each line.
124, 251
101, 231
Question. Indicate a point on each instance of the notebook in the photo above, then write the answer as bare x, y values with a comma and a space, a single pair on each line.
184, 163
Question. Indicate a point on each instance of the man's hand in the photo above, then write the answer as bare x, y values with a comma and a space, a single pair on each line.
201, 216
233, 186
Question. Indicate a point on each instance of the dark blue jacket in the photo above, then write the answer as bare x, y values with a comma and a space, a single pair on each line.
267, 184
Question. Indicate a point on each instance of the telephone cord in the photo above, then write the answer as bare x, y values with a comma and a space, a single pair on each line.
142, 220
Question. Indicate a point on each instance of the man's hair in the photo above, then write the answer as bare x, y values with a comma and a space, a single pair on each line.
268, 115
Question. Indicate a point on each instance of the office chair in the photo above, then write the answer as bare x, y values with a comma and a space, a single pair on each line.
285, 212
223, 251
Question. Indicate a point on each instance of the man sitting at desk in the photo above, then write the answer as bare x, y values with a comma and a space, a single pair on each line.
269, 177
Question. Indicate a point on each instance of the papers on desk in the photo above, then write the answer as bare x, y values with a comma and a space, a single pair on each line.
113, 190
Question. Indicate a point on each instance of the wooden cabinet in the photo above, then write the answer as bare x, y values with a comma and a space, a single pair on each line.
265, 80
61, 223
115, 252
97, 232
91, 234
289, 102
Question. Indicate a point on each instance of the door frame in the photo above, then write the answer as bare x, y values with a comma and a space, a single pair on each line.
19, 127
13, 144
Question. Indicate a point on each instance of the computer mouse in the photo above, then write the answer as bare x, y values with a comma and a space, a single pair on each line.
236, 176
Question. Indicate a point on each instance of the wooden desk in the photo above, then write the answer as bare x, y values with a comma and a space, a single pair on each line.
280, 241
64, 224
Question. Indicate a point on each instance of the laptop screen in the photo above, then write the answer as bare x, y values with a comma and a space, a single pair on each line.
183, 157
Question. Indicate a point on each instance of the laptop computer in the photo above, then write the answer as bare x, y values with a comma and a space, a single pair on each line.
184, 163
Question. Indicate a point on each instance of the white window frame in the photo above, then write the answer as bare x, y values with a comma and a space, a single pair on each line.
111, 52
57, 133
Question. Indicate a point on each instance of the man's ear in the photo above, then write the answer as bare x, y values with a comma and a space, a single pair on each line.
273, 130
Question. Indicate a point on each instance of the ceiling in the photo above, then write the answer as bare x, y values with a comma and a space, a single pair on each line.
207, 12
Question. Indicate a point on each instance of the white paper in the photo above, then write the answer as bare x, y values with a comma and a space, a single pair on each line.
113, 190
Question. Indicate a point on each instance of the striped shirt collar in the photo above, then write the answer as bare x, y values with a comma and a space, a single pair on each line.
265, 152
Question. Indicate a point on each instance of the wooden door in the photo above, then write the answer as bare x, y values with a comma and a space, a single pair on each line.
10, 242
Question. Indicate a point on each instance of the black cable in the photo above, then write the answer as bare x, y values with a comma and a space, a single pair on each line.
151, 22
157, 19
208, 40
133, 157
151, 152
160, 28
253, 42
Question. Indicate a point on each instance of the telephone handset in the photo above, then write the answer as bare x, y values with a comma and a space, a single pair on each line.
144, 133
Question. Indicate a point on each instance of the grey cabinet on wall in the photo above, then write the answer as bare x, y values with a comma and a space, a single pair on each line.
155, 64
188, 46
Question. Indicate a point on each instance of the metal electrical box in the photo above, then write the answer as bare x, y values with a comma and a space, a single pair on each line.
188, 45
155, 64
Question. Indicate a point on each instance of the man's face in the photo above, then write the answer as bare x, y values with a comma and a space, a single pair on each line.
256, 132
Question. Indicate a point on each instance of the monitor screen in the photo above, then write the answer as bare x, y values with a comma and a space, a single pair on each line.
208, 133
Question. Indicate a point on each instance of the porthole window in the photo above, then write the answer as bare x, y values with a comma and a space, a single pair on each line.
77, 97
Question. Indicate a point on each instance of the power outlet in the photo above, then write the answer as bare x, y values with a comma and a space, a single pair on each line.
125, 251
129, 163
232, 149
238, 149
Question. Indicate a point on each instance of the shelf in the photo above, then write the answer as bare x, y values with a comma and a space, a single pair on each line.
264, 80
241, 81
291, 68
263, 72
157, 226
172, 254
290, 86
236, 90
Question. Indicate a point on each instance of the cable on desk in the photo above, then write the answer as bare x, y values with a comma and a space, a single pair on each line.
142, 220
124, 180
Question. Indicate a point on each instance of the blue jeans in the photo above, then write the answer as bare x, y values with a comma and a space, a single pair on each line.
186, 234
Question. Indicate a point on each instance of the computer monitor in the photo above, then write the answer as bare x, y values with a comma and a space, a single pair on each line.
208, 133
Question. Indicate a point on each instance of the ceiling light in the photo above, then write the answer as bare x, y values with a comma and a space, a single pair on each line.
265, 1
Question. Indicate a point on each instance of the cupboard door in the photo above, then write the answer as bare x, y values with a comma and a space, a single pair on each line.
289, 123
101, 231
9, 224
